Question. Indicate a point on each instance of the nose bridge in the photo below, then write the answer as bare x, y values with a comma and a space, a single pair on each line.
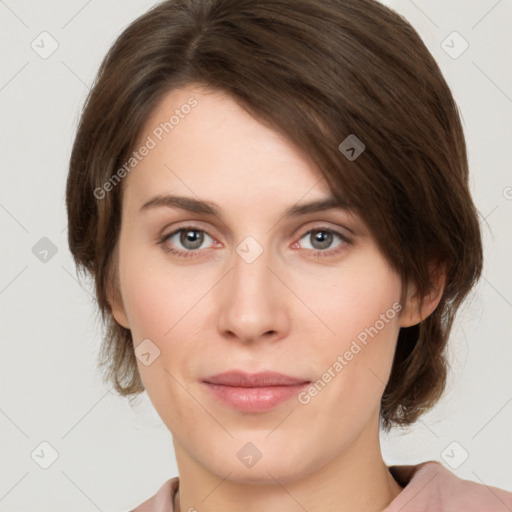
250, 272
253, 304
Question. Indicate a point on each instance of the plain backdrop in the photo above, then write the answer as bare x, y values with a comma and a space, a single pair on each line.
103, 454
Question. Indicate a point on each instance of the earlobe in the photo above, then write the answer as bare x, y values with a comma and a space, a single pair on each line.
115, 302
416, 310
113, 291
119, 315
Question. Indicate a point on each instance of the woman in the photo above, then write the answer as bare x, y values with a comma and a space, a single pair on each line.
272, 198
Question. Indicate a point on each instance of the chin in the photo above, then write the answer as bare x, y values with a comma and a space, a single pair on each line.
271, 460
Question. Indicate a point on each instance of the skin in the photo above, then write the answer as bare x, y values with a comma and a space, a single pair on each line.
287, 311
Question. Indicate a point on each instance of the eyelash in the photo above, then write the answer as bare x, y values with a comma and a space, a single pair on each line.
316, 253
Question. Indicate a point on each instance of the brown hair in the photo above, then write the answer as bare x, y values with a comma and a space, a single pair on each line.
316, 71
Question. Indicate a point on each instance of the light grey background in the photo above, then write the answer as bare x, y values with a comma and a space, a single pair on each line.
110, 456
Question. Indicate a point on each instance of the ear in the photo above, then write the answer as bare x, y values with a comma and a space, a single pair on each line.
119, 314
415, 310
115, 301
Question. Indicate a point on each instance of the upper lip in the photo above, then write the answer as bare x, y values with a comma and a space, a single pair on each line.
238, 378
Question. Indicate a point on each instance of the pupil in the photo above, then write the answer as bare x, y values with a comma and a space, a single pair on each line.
324, 239
191, 239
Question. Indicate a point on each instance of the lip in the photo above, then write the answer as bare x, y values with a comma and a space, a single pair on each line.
254, 392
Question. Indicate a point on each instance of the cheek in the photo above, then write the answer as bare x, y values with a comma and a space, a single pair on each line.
365, 297
361, 311
158, 307
156, 296
147, 304
163, 304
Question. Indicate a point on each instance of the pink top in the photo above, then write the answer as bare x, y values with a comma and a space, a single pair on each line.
429, 487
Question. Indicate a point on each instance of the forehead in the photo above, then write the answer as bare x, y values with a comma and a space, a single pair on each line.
204, 143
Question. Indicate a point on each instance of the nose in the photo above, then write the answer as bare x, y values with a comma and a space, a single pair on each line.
253, 299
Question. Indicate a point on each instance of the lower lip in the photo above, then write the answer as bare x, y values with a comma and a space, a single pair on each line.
255, 399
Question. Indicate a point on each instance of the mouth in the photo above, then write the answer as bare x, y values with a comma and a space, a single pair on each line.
257, 392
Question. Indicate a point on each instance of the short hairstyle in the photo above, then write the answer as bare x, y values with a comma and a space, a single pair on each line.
316, 71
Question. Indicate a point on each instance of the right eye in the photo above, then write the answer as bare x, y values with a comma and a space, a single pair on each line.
189, 237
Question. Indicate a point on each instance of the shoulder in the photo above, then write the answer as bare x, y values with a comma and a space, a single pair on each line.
430, 487
162, 501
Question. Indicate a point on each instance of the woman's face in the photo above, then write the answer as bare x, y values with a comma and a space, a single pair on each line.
251, 289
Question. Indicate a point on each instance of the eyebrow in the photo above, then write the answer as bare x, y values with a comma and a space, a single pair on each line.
207, 207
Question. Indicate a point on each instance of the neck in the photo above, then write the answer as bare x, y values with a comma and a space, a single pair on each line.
356, 480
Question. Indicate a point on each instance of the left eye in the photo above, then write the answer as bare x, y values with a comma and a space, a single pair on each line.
322, 239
